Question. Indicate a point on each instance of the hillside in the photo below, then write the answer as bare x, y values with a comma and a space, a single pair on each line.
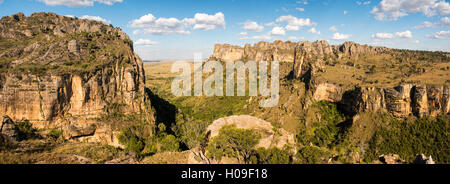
336, 116
68, 74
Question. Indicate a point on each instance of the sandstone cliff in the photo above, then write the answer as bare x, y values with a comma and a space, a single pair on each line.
290, 51
64, 72
262, 51
324, 70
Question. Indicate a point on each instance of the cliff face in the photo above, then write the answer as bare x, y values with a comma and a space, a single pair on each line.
289, 51
401, 101
311, 57
312, 60
64, 72
262, 51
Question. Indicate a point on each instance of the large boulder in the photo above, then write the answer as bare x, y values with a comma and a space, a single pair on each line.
269, 138
9, 129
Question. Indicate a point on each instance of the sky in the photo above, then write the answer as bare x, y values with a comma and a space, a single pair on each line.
176, 29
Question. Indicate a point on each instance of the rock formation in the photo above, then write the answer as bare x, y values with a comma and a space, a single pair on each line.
9, 129
69, 73
262, 51
422, 159
269, 138
310, 59
401, 101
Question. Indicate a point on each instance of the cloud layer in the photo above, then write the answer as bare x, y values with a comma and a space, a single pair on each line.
150, 25
394, 9
405, 34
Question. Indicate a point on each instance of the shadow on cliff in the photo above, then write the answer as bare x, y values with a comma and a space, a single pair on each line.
165, 112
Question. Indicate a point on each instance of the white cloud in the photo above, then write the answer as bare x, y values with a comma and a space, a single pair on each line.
300, 9
441, 35
150, 25
206, 22
345, 12
253, 26
339, 36
302, 2
270, 24
96, 18
294, 23
363, 3
394, 9
145, 42
278, 31
243, 33
314, 31
333, 29
444, 22
405, 34
78, 3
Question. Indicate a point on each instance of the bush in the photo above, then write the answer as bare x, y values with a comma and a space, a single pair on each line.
323, 132
55, 134
132, 142
233, 142
192, 133
170, 143
272, 156
312, 155
26, 131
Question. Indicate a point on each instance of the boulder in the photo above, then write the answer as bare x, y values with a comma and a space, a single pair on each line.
422, 159
391, 159
9, 129
269, 138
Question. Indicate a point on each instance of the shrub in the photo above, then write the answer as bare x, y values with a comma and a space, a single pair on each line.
192, 133
170, 143
312, 155
233, 142
272, 156
26, 131
55, 134
132, 142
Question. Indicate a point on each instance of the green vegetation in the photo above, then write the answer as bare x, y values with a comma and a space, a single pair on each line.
26, 131
233, 142
408, 138
143, 140
55, 134
272, 156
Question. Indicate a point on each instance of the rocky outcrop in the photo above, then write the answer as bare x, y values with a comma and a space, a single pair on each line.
328, 92
401, 101
9, 129
311, 57
269, 138
391, 159
262, 51
291, 51
69, 73
422, 159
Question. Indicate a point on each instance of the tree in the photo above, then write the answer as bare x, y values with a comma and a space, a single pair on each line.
233, 142
193, 135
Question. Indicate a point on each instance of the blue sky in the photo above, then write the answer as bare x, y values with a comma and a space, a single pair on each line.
176, 29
